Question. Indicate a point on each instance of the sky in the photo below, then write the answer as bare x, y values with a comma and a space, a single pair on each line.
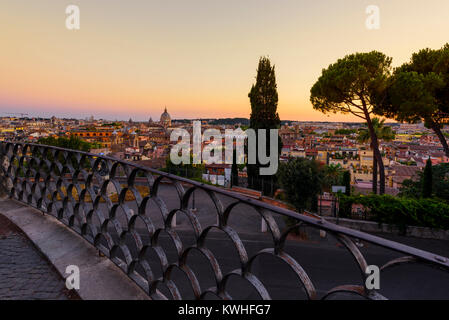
130, 59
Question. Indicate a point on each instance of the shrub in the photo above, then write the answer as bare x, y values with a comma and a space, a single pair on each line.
402, 212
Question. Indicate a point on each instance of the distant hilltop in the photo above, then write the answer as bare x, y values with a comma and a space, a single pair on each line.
245, 121
211, 121
221, 121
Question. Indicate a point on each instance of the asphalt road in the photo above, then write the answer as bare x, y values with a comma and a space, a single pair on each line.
326, 262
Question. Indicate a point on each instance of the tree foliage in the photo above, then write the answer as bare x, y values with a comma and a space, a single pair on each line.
419, 91
73, 143
263, 97
332, 175
349, 85
301, 179
383, 132
190, 170
345, 131
399, 211
440, 184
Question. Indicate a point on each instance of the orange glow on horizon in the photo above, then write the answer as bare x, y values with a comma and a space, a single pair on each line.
197, 59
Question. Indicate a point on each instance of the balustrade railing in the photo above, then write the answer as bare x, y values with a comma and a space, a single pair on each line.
179, 245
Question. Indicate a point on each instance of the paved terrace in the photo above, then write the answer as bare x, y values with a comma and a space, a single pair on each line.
156, 246
24, 273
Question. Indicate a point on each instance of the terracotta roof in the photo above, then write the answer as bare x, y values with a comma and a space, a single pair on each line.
438, 154
405, 171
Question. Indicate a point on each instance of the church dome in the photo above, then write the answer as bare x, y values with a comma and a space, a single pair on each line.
165, 119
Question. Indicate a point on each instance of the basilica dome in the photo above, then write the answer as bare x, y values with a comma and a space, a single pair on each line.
165, 119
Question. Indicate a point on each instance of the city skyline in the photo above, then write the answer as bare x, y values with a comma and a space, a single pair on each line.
199, 58
20, 115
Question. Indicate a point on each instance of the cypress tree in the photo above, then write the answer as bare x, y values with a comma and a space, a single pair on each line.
234, 170
427, 180
347, 182
264, 101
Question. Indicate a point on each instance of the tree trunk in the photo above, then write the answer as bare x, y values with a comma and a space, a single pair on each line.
381, 167
436, 128
375, 166
376, 151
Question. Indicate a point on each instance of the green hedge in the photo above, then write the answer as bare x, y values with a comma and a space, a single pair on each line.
402, 212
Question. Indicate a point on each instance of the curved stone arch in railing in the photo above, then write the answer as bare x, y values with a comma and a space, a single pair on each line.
36, 175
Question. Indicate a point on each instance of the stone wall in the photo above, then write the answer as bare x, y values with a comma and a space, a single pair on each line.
374, 227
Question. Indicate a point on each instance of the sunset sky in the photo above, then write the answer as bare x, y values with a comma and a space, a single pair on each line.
197, 57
